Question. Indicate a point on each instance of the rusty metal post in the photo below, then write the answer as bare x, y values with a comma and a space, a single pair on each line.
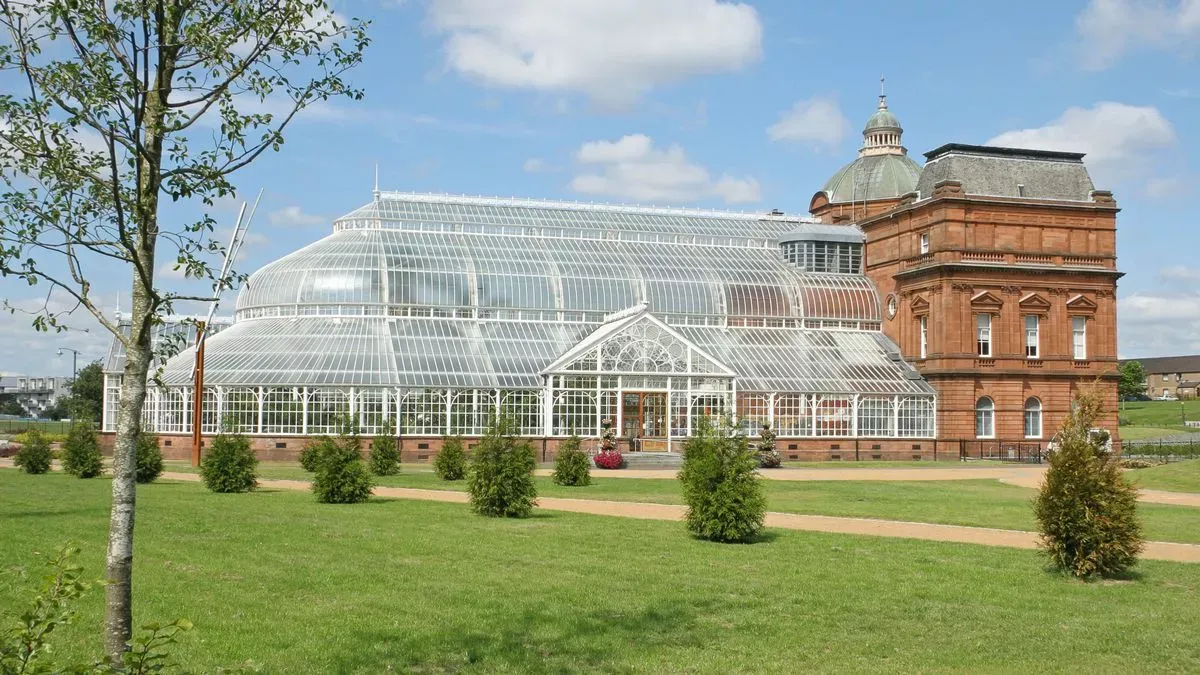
198, 396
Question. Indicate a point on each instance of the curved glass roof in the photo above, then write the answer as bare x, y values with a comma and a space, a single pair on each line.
402, 265
420, 291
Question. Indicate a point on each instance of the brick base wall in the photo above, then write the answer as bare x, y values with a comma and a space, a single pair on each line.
418, 450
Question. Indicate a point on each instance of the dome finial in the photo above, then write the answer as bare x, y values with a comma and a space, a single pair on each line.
882, 93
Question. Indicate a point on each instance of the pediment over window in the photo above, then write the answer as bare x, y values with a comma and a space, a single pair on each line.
1034, 303
919, 305
985, 300
1081, 305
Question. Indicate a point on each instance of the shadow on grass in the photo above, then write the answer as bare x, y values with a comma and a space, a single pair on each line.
552, 640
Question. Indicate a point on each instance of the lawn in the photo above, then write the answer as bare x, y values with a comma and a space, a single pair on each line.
1132, 433
1177, 476
981, 503
1159, 413
428, 587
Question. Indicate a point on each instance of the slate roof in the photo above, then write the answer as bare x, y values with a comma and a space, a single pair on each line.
1008, 172
1169, 364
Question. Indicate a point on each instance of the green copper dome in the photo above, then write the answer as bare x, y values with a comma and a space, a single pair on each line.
882, 119
873, 177
883, 169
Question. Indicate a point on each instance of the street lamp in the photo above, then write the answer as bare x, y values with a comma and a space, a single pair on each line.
1182, 416
74, 369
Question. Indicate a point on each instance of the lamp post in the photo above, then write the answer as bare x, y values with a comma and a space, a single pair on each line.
74, 369
1182, 416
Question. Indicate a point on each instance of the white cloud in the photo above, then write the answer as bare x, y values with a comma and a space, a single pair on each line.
817, 120
632, 168
534, 165
294, 216
1167, 188
1160, 325
24, 350
1181, 274
1109, 28
612, 50
1117, 138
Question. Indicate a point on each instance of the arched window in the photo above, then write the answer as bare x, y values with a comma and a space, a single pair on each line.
985, 418
1033, 418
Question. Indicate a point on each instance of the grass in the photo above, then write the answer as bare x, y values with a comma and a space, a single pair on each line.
1160, 413
979, 503
1132, 433
1176, 476
404, 585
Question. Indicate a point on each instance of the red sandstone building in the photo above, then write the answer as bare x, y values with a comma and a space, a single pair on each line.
998, 271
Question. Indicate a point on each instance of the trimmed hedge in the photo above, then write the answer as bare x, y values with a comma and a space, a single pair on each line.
500, 481
571, 465
81, 451
721, 488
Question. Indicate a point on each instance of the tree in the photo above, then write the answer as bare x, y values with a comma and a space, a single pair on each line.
500, 481
125, 106
722, 491
342, 477
230, 464
385, 453
35, 455
451, 462
10, 406
1086, 509
1133, 380
81, 451
87, 392
571, 465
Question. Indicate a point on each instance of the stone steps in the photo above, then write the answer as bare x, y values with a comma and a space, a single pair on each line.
653, 460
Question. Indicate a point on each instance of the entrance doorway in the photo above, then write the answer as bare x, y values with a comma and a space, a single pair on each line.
644, 418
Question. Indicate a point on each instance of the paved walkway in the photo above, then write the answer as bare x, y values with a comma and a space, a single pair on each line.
1155, 550
1149, 496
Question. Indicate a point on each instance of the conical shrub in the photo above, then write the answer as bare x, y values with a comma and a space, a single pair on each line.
724, 498
385, 452
1086, 509
500, 480
81, 451
571, 466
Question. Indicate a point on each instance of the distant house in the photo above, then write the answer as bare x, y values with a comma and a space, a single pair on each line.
35, 394
1177, 376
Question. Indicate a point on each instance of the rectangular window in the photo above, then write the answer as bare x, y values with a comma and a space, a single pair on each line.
924, 243
1031, 336
924, 336
1079, 337
983, 335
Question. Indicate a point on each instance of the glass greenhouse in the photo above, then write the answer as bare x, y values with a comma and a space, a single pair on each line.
441, 312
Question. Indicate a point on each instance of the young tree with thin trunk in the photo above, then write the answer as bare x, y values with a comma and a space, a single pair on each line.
124, 106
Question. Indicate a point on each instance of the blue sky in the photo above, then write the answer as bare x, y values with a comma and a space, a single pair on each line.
737, 105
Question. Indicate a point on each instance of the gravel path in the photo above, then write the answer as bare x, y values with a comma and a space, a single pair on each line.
1155, 550
897, 474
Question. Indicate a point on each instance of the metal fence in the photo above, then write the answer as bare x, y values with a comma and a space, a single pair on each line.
19, 426
1017, 452
1163, 449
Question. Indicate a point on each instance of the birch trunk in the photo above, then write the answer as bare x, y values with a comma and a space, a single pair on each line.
118, 608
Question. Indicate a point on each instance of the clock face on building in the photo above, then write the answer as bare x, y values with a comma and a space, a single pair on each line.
891, 307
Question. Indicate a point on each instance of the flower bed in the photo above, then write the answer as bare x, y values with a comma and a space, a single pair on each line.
609, 460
